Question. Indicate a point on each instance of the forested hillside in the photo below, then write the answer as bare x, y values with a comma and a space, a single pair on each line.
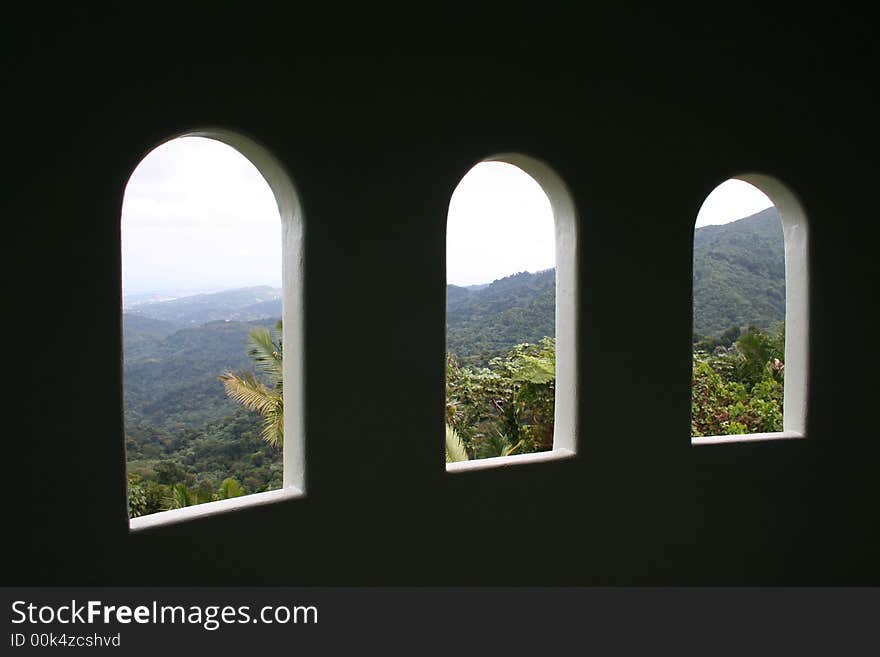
180, 426
487, 321
739, 274
172, 381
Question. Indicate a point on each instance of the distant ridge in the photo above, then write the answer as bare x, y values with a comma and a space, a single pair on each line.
485, 321
241, 304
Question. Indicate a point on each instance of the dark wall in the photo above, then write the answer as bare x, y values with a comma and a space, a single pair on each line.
642, 116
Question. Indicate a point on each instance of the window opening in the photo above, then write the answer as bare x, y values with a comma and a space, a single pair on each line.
502, 316
745, 252
202, 328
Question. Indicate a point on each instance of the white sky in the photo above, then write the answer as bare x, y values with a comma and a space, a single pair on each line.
731, 200
197, 216
499, 223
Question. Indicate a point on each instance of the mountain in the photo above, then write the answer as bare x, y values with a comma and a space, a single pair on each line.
143, 336
242, 304
137, 325
485, 321
739, 274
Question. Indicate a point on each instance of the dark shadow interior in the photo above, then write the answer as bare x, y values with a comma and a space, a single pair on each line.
642, 117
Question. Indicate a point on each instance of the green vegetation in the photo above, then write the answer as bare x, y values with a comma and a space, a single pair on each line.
505, 408
739, 389
147, 496
201, 459
184, 436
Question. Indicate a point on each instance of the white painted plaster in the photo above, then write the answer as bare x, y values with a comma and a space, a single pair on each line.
507, 461
212, 508
746, 438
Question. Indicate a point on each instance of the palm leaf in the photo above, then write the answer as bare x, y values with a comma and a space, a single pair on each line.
178, 497
266, 352
247, 390
510, 449
455, 450
230, 488
273, 423
254, 395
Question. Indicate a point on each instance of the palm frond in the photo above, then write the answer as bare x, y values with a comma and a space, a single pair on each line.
273, 424
247, 390
230, 488
178, 497
244, 388
253, 394
455, 450
510, 449
266, 352
499, 444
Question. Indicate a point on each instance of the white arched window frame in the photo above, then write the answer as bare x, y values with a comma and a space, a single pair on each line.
795, 232
292, 311
565, 401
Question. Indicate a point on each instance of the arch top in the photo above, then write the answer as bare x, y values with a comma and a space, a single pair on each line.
269, 166
551, 182
791, 211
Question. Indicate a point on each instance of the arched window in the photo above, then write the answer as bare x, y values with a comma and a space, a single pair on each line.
750, 304
510, 316
211, 264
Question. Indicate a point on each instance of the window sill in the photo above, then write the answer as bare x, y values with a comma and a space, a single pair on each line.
746, 438
507, 461
212, 508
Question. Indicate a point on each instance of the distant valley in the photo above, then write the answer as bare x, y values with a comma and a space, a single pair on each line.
241, 304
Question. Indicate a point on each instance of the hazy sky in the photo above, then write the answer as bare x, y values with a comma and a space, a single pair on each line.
499, 223
198, 216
